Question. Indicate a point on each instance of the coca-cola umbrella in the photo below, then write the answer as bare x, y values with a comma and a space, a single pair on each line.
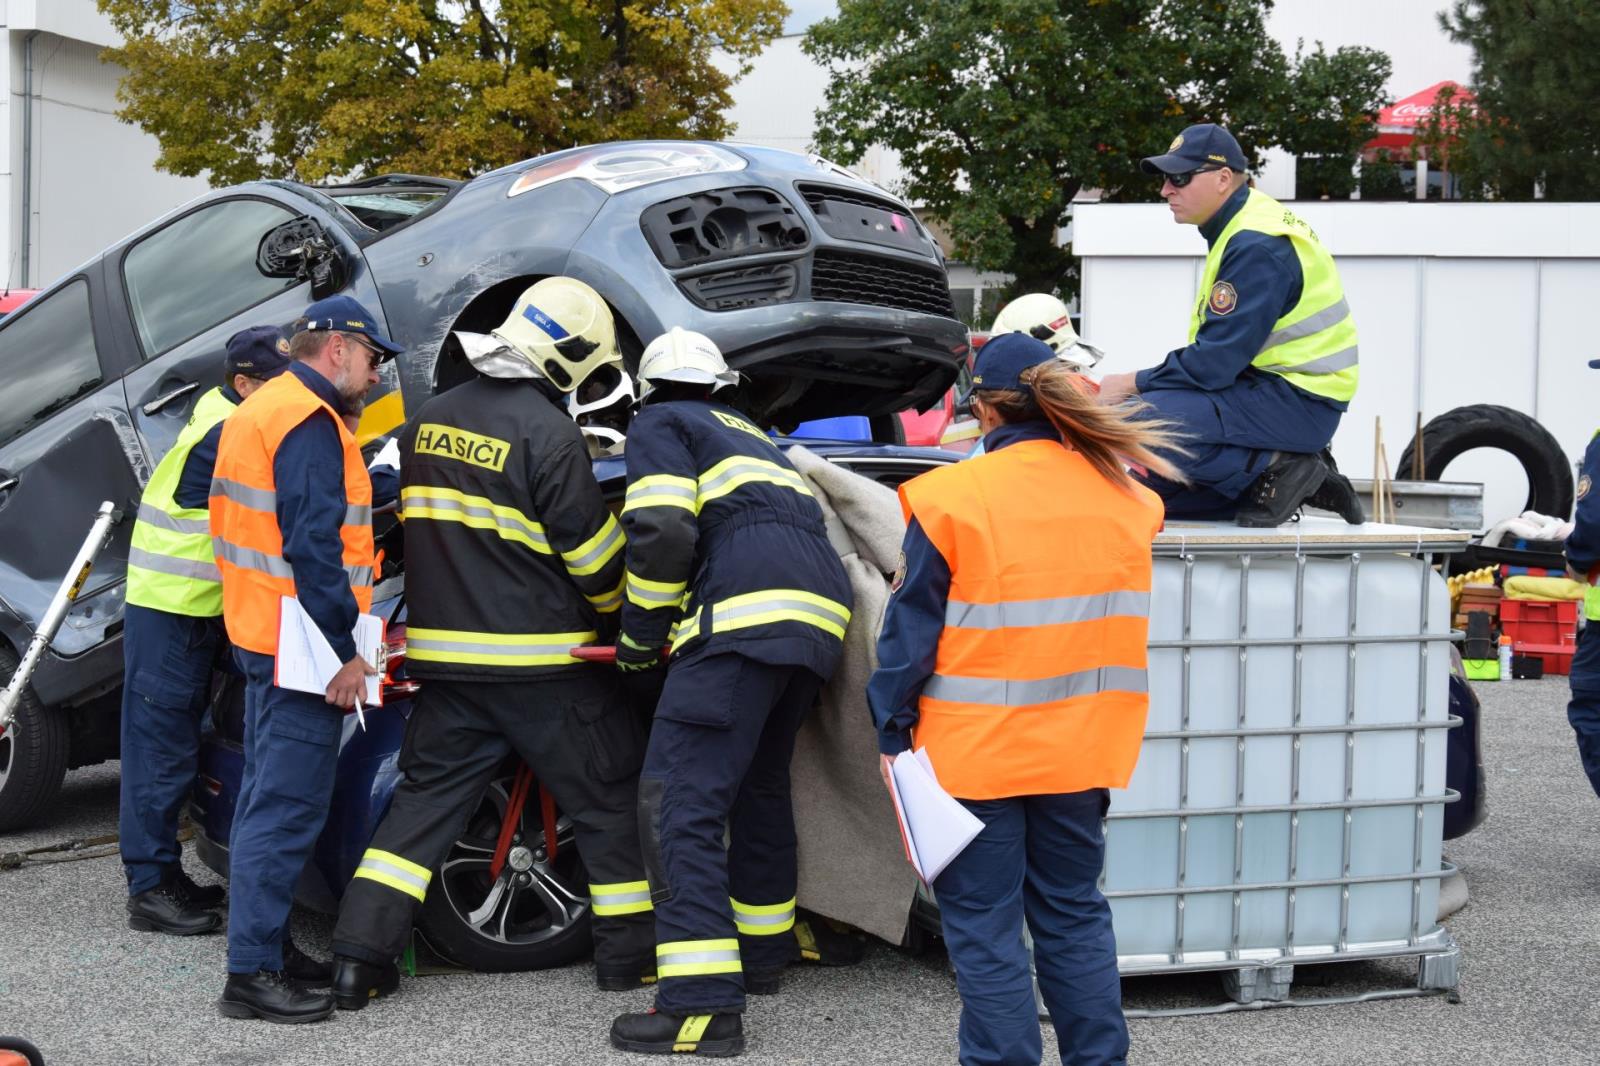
1401, 121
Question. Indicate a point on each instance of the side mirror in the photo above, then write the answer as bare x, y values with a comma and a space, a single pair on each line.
301, 249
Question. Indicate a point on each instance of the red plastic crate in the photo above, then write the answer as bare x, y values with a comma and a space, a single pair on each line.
1557, 657
1540, 621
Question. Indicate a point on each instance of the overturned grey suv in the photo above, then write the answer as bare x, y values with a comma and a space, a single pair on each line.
825, 291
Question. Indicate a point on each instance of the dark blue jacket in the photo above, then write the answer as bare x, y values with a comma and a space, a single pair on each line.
914, 619
1265, 274
728, 517
1583, 546
194, 481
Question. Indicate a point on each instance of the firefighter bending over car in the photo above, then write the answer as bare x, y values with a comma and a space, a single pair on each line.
512, 558
729, 564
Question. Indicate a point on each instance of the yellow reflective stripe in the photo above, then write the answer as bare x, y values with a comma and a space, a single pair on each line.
594, 553
606, 602
741, 470
661, 490
643, 592
494, 649
764, 919
628, 897
394, 871
478, 512
690, 1032
697, 958
780, 605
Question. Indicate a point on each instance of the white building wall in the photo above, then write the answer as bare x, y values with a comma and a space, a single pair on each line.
1455, 303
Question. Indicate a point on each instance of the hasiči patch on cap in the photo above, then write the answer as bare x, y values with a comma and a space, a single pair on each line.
1177, 142
1223, 298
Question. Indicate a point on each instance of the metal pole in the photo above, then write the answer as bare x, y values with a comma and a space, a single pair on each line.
71, 586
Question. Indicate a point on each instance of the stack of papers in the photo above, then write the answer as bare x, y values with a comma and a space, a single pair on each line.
307, 662
934, 827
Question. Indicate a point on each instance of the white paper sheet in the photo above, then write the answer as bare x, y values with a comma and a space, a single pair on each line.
935, 827
307, 662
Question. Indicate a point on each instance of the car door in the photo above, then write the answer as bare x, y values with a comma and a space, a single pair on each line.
187, 287
66, 443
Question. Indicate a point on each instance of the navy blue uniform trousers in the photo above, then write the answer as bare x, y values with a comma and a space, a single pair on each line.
168, 660
1584, 710
1038, 858
1232, 434
291, 748
717, 767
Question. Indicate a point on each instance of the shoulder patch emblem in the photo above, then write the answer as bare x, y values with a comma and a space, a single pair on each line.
283, 346
1223, 298
899, 575
1177, 142
1583, 486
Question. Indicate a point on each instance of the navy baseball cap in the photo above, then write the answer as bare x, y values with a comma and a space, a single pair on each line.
258, 352
1002, 360
1204, 145
344, 314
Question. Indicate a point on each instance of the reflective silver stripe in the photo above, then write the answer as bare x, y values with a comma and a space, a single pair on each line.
598, 552
640, 592
250, 559
417, 497
244, 495
746, 918
1329, 316
645, 487
768, 472
563, 649
1046, 612
390, 870
1328, 364
694, 958
358, 514
617, 899
1029, 693
154, 516
728, 614
167, 564
359, 575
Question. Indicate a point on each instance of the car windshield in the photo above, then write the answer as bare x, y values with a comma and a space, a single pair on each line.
382, 209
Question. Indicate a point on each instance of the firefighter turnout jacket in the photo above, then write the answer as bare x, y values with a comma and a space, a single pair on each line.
726, 546
513, 555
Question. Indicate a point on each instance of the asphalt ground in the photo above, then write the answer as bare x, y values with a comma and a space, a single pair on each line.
78, 983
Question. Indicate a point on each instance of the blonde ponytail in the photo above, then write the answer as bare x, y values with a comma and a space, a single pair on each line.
1108, 436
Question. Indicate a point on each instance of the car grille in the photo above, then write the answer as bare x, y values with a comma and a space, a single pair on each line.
846, 277
817, 197
731, 290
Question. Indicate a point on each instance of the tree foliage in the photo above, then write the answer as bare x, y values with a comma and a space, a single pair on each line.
1002, 111
1327, 114
1536, 75
312, 89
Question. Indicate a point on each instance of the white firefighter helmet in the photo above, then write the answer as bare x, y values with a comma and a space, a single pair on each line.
564, 329
683, 355
1045, 318
602, 407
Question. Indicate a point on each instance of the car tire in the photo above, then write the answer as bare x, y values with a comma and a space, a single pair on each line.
33, 755
532, 919
1483, 425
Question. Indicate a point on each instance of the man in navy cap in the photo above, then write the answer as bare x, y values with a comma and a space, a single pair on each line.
172, 632
1271, 360
1583, 564
291, 515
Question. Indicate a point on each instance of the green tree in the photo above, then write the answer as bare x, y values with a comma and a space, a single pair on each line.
1002, 111
312, 89
1328, 112
1381, 179
1536, 75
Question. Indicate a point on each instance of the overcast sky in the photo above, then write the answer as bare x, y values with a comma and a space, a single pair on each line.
802, 13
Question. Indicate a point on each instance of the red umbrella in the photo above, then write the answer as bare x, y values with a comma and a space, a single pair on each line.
1399, 123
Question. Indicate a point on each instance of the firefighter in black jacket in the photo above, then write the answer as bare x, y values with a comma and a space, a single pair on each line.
728, 562
512, 559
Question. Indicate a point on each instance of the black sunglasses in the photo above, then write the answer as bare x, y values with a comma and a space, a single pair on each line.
1181, 181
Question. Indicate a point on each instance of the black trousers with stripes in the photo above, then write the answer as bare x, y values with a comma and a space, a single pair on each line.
583, 740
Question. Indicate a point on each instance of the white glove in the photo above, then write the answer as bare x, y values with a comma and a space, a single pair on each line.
388, 455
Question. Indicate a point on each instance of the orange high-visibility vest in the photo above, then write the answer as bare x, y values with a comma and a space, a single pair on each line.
1039, 680
244, 517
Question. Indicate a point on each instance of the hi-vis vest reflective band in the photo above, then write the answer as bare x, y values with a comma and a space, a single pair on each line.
244, 519
1039, 678
1314, 345
170, 565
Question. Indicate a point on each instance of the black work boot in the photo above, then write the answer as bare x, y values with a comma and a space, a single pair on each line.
356, 981
166, 909
1279, 492
271, 996
717, 1036
827, 943
199, 895
313, 973
763, 982
1336, 494
625, 979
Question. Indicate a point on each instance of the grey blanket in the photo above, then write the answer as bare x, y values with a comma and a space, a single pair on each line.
853, 866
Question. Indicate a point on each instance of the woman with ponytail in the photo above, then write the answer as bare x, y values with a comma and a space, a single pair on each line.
1013, 651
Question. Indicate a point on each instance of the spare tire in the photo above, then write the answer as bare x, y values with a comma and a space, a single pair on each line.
1485, 425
